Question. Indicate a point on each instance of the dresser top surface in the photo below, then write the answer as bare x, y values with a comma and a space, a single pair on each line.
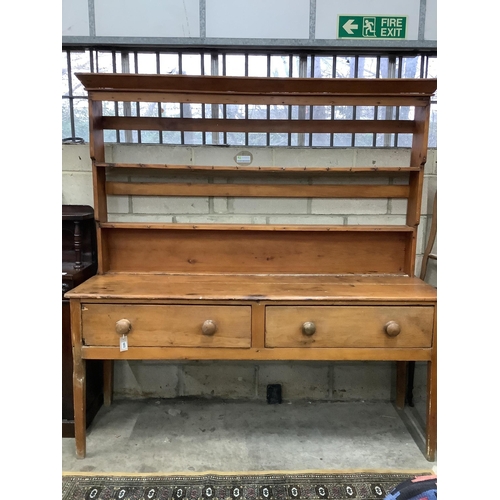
124, 286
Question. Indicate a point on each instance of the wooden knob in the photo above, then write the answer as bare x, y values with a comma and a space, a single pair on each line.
308, 328
123, 326
392, 329
209, 327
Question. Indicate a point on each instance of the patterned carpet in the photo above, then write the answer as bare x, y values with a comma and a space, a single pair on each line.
221, 486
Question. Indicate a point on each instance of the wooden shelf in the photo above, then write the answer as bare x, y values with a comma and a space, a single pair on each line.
254, 90
257, 125
259, 169
256, 227
257, 190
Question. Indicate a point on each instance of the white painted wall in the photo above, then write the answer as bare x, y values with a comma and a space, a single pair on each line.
229, 22
258, 19
430, 32
147, 18
75, 18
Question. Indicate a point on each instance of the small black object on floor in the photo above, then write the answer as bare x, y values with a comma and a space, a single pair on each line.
274, 394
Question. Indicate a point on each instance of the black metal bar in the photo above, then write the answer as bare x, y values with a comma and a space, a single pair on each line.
290, 71
224, 134
137, 105
268, 107
117, 111
70, 95
91, 64
400, 72
334, 75
375, 111
202, 71
181, 106
354, 108
160, 134
246, 105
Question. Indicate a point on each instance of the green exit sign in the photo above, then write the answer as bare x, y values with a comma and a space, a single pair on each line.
378, 27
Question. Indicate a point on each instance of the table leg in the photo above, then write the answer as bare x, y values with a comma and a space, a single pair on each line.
79, 381
401, 377
108, 365
80, 405
431, 431
410, 383
431, 427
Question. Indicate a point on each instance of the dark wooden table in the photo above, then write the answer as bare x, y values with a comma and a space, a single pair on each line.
79, 263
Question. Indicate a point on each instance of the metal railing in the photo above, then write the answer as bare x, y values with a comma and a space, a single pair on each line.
283, 64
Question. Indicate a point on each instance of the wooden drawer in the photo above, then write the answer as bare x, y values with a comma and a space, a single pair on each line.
349, 326
168, 325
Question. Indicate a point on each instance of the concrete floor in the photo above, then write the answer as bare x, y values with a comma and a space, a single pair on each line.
164, 435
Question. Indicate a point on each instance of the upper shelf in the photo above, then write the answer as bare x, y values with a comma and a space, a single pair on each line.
254, 90
259, 169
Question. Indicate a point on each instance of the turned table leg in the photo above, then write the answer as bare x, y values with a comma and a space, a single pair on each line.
79, 381
77, 241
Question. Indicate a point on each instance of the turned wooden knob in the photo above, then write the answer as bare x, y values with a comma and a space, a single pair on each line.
392, 329
209, 327
123, 326
308, 328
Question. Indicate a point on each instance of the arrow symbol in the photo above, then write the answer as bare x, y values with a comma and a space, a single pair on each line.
348, 26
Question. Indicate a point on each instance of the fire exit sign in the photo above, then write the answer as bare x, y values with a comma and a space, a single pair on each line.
377, 27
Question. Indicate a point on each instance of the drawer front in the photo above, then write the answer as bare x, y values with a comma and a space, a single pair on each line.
167, 325
349, 326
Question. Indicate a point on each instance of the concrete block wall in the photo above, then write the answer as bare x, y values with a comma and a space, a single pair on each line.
336, 381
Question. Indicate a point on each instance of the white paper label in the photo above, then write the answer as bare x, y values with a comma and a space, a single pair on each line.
123, 343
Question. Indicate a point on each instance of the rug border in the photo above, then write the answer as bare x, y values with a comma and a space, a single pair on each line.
250, 473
